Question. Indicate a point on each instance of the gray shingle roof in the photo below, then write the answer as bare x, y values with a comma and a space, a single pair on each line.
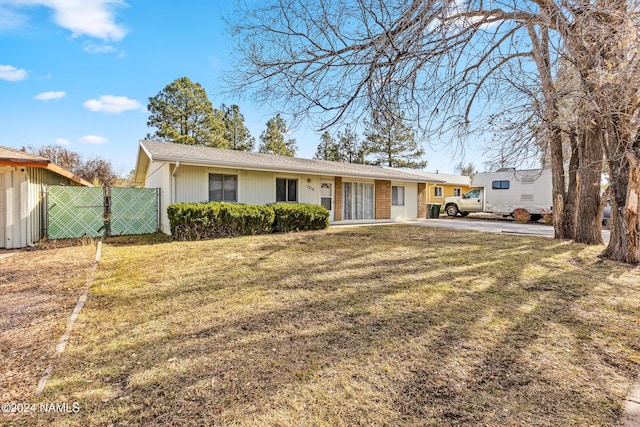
206, 156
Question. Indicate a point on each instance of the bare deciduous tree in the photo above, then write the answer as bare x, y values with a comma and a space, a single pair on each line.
95, 169
453, 66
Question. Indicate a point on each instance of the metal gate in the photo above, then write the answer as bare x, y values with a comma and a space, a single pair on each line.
74, 212
133, 211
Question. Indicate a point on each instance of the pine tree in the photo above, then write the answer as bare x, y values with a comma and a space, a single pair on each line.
328, 148
235, 132
351, 148
272, 139
182, 113
392, 142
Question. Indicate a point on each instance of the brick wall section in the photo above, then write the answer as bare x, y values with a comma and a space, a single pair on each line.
422, 200
383, 199
337, 204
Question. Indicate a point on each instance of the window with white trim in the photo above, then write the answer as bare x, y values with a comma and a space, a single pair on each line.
437, 192
223, 188
457, 192
286, 190
397, 195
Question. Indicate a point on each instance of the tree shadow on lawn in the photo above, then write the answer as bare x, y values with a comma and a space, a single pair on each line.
528, 332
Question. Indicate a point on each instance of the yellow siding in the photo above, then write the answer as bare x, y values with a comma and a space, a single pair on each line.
447, 191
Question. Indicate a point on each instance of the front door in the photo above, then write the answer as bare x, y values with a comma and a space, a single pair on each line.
326, 197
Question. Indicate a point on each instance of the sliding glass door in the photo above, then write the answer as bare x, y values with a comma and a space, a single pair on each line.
358, 200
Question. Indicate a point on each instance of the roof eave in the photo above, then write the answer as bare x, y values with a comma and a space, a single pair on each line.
141, 169
63, 172
24, 162
248, 166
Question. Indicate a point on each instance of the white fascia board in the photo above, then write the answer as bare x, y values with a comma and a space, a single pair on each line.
230, 165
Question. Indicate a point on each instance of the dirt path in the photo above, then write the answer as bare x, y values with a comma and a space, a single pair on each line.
38, 290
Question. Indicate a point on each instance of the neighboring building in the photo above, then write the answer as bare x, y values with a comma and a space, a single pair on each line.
351, 192
453, 185
22, 211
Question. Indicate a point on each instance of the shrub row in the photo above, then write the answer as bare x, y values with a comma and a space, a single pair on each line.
299, 217
196, 221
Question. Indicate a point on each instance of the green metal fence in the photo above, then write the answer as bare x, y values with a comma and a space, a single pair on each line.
74, 212
134, 211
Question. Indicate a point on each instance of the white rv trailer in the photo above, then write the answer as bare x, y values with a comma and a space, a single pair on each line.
504, 191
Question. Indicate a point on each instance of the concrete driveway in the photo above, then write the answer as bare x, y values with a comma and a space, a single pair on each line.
493, 226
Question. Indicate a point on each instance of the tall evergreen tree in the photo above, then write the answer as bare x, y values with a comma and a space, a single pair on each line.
351, 148
235, 132
182, 113
392, 142
328, 149
272, 139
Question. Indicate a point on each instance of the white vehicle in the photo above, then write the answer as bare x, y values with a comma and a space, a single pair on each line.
504, 191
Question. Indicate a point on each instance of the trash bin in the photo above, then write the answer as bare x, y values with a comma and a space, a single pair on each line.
433, 210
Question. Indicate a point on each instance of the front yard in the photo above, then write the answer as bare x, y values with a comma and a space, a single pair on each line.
389, 325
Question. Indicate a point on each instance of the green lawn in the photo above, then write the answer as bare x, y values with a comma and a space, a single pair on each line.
389, 325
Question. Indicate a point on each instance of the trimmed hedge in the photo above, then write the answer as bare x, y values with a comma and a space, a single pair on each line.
299, 217
196, 221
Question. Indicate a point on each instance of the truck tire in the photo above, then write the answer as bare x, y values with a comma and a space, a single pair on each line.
452, 210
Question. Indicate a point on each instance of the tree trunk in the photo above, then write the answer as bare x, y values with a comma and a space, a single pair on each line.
624, 244
557, 179
540, 45
571, 202
589, 228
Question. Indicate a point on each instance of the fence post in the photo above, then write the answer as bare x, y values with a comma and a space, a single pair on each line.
159, 209
107, 210
44, 212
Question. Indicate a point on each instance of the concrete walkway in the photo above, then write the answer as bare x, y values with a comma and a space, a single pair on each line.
631, 416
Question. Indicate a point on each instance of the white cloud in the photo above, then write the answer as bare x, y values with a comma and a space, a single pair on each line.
12, 74
96, 48
62, 141
112, 104
93, 18
92, 139
10, 19
47, 96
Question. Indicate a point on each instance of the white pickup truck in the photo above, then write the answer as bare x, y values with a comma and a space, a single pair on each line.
504, 191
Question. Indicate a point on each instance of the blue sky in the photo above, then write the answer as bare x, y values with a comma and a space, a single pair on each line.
80, 72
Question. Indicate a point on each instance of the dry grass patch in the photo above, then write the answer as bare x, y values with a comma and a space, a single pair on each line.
392, 325
38, 290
